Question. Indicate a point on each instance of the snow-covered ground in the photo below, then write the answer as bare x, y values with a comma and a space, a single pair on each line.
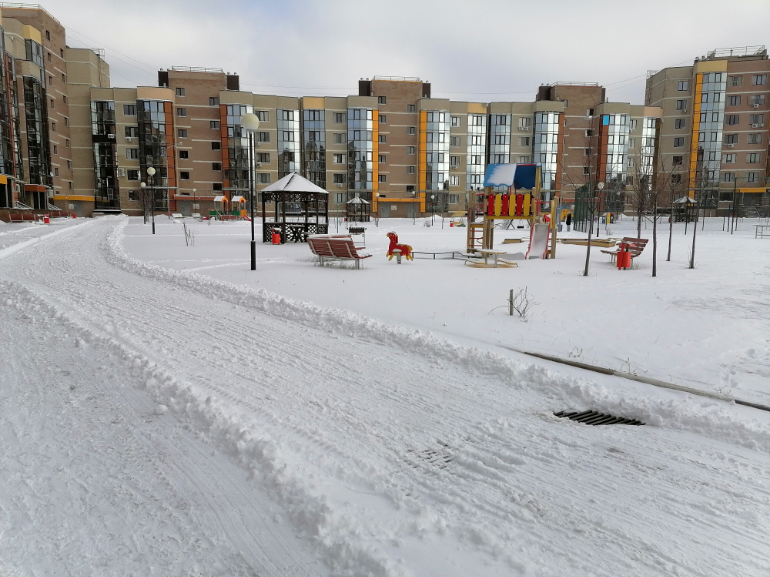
166, 411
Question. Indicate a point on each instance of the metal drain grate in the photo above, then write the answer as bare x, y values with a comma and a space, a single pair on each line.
594, 418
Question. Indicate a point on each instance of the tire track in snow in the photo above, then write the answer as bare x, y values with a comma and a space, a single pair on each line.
315, 437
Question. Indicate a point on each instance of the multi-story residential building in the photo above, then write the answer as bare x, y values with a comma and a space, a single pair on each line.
68, 138
714, 131
42, 94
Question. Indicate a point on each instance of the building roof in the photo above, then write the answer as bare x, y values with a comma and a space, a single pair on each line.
294, 183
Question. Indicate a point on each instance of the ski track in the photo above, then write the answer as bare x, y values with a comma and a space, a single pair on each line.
377, 454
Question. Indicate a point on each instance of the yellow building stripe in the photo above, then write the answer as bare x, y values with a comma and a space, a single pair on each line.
74, 197
696, 108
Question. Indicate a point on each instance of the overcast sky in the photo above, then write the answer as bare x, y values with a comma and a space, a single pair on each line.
480, 50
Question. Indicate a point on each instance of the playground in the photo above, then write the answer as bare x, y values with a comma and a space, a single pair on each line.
704, 328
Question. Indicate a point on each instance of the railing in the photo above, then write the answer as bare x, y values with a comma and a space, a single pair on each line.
195, 69
21, 206
398, 78
572, 83
756, 50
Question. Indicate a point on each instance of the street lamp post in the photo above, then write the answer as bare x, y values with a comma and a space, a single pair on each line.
151, 174
432, 208
250, 123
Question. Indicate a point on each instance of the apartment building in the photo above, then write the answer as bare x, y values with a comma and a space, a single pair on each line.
714, 129
71, 140
38, 164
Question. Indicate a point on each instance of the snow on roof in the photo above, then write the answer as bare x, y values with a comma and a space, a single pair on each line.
685, 200
357, 200
220, 198
294, 183
237, 199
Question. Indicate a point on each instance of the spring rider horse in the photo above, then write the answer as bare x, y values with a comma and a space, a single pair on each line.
405, 249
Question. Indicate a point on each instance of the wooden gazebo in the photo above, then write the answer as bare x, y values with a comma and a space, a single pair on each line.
301, 208
358, 210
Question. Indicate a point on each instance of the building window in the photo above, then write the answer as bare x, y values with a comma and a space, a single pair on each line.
180, 91
681, 105
752, 157
132, 131
340, 118
683, 86
56, 149
382, 100
704, 97
67, 143
339, 178
633, 124
382, 178
184, 175
454, 161
129, 110
217, 166
64, 78
734, 101
410, 170
47, 35
757, 120
523, 140
263, 115
382, 159
341, 197
701, 137
757, 99
676, 179
755, 138
731, 139
213, 100
216, 186
53, 127
263, 137
679, 141
181, 112
411, 130
589, 134
728, 177
133, 175
383, 138
263, 157
736, 80
339, 138
759, 79
56, 172
50, 80
586, 171
455, 141
181, 132
679, 123
184, 154
454, 198
382, 119
214, 124
132, 153
677, 160
751, 177
732, 119
53, 104
411, 108
339, 159
411, 150
456, 121
216, 146
69, 164
263, 177
729, 159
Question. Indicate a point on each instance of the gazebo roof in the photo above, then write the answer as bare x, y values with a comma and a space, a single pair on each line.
357, 200
685, 200
294, 183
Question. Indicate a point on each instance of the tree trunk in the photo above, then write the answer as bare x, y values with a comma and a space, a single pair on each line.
588, 246
655, 239
639, 224
670, 231
694, 230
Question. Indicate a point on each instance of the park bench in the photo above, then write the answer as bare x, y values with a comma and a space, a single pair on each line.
335, 247
15, 217
634, 246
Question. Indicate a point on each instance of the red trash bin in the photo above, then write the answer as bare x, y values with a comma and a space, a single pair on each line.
623, 257
46, 219
276, 236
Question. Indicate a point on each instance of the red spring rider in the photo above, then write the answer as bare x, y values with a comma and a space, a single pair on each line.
405, 249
